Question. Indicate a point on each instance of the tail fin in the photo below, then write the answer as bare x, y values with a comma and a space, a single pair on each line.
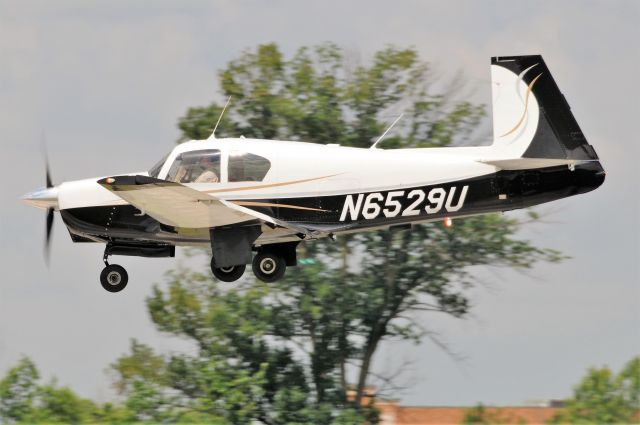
531, 118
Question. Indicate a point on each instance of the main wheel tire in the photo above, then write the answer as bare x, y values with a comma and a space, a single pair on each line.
114, 278
268, 267
228, 274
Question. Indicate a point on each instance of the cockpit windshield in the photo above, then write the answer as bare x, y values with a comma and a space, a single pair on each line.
155, 170
196, 167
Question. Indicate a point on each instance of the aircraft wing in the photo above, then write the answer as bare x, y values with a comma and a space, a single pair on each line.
177, 205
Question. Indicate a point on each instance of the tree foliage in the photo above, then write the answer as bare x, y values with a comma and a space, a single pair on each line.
61, 405
602, 397
17, 390
24, 399
323, 95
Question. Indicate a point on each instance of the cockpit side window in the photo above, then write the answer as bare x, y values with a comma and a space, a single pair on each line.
244, 166
196, 167
155, 170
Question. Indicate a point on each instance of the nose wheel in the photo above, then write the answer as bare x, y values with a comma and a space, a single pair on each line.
114, 277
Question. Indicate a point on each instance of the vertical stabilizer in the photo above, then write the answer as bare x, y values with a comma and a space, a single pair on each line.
531, 118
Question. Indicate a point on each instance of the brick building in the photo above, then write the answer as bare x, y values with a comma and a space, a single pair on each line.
393, 414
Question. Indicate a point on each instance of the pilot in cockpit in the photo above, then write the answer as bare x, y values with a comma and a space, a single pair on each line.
208, 174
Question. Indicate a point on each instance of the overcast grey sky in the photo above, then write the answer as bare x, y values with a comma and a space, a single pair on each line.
107, 81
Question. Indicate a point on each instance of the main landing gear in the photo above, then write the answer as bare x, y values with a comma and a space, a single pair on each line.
271, 261
227, 274
269, 264
114, 278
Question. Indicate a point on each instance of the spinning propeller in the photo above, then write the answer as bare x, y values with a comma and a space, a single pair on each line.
45, 198
50, 210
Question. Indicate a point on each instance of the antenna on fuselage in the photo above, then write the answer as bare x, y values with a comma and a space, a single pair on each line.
213, 133
386, 131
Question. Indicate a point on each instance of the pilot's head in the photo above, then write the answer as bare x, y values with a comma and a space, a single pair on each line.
206, 162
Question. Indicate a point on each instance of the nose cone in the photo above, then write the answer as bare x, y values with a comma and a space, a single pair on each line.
46, 197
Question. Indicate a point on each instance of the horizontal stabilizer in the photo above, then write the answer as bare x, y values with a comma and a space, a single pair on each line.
530, 163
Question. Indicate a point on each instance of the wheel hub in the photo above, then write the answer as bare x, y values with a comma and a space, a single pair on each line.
227, 269
114, 278
267, 266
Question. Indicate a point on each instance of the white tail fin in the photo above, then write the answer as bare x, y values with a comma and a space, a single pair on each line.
531, 118
515, 111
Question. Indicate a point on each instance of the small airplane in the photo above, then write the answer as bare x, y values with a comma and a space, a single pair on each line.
253, 201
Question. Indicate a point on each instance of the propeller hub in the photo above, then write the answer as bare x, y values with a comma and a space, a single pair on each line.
45, 198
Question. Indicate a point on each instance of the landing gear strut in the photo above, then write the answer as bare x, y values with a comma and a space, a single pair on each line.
114, 277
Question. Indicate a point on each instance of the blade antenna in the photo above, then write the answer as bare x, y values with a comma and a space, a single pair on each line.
386, 131
213, 134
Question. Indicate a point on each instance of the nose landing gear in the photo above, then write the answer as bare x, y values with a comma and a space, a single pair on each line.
114, 278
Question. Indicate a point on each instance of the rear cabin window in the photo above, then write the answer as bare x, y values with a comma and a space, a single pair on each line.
196, 167
244, 166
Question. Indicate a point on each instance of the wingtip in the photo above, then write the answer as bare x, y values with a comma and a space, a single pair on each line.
107, 181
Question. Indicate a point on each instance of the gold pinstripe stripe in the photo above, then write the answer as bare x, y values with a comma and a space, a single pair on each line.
268, 204
264, 186
526, 106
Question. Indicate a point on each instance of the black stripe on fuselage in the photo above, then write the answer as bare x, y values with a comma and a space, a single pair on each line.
500, 191
110, 222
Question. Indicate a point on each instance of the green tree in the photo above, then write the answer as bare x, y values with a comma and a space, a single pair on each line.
17, 391
112, 413
296, 341
602, 397
321, 96
55, 404
23, 399
629, 381
140, 365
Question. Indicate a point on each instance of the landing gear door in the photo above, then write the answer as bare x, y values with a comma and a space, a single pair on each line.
232, 246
